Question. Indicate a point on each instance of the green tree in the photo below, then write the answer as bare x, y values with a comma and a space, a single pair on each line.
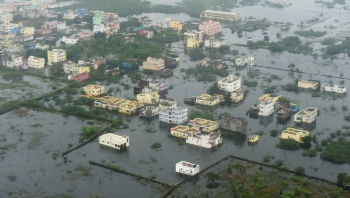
300, 170
212, 177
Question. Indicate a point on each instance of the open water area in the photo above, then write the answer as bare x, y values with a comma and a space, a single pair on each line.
28, 167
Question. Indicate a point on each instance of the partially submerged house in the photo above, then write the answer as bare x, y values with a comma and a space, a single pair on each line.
149, 111
292, 133
203, 125
181, 131
114, 141
266, 108
333, 88
307, 115
308, 84
167, 103
235, 124
230, 83
206, 141
178, 115
93, 90
187, 168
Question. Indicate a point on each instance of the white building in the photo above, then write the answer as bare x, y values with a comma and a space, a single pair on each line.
187, 168
13, 61
69, 40
100, 28
266, 108
230, 84
69, 67
69, 15
35, 62
177, 115
5, 17
214, 42
207, 141
41, 47
167, 104
334, 88
149, 111
7, 27
114, 141
239, 62
306, 116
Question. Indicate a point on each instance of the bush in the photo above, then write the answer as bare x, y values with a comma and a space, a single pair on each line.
289, 144
87, 132
300, 170
310, 153
250, 83
274, 133
267, 158
279, 162
337, 151
156, 145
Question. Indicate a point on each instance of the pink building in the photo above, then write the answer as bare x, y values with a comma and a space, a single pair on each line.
85, 35
43, 31
210, 27
79, 77
148, 34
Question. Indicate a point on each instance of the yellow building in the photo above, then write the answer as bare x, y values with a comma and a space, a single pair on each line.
94, 90
148, 98
267, 97
27, 31
176, 25
155, 64
208, 100
308, 84
55, 56
236, 97
205, 125
35, 62
192, 43
130, 107
81, 70
292, 133
253, 138
181, 131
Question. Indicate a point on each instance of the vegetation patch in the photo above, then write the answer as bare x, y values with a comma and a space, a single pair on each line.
337, 151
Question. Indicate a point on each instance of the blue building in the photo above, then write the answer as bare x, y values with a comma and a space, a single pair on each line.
81, 12
129, 64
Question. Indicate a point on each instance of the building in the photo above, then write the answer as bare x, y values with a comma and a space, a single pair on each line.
55, 56
235, 124
70, 15
114, 26
210, 27
193, 38
148, 98
149, 111
43, 31
187, 168
214, 42
11, 60
147, 34
334, 88
159, 86
219, 15
176, 25
79, 77
203, 125
98, 19
94, 90
35, 62
153, 64
292, 133
167, 103
100, 28
24, 38
5, 17
81, 69
308, 84
8, 28
181, 131
130, 107
207, 100
81, 12
239, 62
85, 35
114, 141
207, 141
71, 41
266, 108
178, 115
307, 115
55, 25
27, 31
230, 84
121, 105
237, 97
253, 138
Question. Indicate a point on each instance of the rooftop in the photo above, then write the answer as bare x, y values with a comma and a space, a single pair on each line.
202, 122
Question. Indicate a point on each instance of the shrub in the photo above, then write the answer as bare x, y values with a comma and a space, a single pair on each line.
310, 152
156, 145
289, 144
250, 83
337, 151
300, 170
274, 133
279, 162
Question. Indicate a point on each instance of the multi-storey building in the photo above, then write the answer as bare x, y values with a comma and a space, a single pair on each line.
11, 60
176, 25
210, 27
148, 98
94, 90
266, 108
207, 100
214, 42
70, 14
35, 62
307, 115
55, 56
193, 38
230, 84
178, 115
181, 131
203, 125
220, 15
235, 124
153, 64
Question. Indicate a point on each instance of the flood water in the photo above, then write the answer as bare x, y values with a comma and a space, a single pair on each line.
30, 160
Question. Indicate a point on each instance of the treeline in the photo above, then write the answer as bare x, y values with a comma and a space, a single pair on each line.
344, 47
